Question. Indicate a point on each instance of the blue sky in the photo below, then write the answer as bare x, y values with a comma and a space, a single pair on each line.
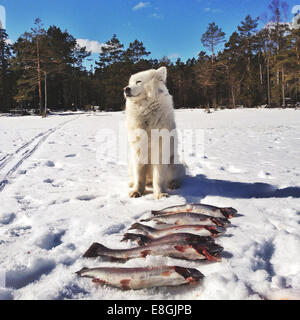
170, 28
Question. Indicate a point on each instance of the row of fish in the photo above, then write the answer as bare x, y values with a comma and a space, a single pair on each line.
190, 237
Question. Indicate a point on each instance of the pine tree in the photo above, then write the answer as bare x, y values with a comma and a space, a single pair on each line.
5, 55
230, 61
250, 81
111, 72
50, 56
246, 32
136, 51
211, 39
112, 52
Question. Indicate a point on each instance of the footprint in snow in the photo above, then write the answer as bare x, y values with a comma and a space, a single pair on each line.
262, 174
7, 218
23, 275
231, 169
50, 164
48, 181
50, 240
72, 155
115, 228
86, 197
20, 231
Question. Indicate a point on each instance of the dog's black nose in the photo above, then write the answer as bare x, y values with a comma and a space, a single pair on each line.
127, 90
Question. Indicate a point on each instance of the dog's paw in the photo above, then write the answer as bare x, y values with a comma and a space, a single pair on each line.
135, 194
173, 185
160, 195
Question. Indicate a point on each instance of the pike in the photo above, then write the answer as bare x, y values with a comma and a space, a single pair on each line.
199, 230
182, 250
185, 218
144, 240
139, 278
201, 208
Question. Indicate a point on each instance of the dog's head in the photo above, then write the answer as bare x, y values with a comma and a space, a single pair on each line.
146, 84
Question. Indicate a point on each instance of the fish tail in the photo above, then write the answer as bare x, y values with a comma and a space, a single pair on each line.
141, 239
155, 212
94, 250
139, 226
81, 271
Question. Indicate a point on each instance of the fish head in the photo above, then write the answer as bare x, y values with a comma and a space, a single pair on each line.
211, 251
228, 212
190, 274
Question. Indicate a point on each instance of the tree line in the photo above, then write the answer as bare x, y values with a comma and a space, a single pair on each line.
44, 68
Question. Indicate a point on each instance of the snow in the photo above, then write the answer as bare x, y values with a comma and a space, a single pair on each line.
59, 194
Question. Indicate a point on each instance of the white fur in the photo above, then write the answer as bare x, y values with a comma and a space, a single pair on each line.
150, 106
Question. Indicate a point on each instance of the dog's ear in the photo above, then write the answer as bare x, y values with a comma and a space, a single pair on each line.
162, 74
151, 88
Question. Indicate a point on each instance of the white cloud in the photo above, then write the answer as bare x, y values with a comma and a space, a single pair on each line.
212, 10
156, 16
91, 45
174, 55
2, 17
295, 9
141, 5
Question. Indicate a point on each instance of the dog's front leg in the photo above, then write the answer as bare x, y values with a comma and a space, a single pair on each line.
159, 180
140, 171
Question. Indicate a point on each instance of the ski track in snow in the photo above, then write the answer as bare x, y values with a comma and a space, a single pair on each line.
59, 195
15, 160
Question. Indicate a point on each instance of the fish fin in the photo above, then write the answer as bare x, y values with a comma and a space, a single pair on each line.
160, 222
145, 253
94, 250
180, 248
179, 222
125, 283
82, 270
139, 226
209, 257
155, 212
135, 226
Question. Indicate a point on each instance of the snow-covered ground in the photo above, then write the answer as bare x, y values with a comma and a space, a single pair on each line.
58, 195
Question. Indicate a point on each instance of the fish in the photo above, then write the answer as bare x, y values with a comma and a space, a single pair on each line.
202, 208
144, 240
182, 249
184, 218
199, 230
140, 278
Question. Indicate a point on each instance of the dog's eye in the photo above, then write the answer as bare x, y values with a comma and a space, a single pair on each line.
139, 82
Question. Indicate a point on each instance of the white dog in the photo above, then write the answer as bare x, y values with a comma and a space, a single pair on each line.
149, 106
